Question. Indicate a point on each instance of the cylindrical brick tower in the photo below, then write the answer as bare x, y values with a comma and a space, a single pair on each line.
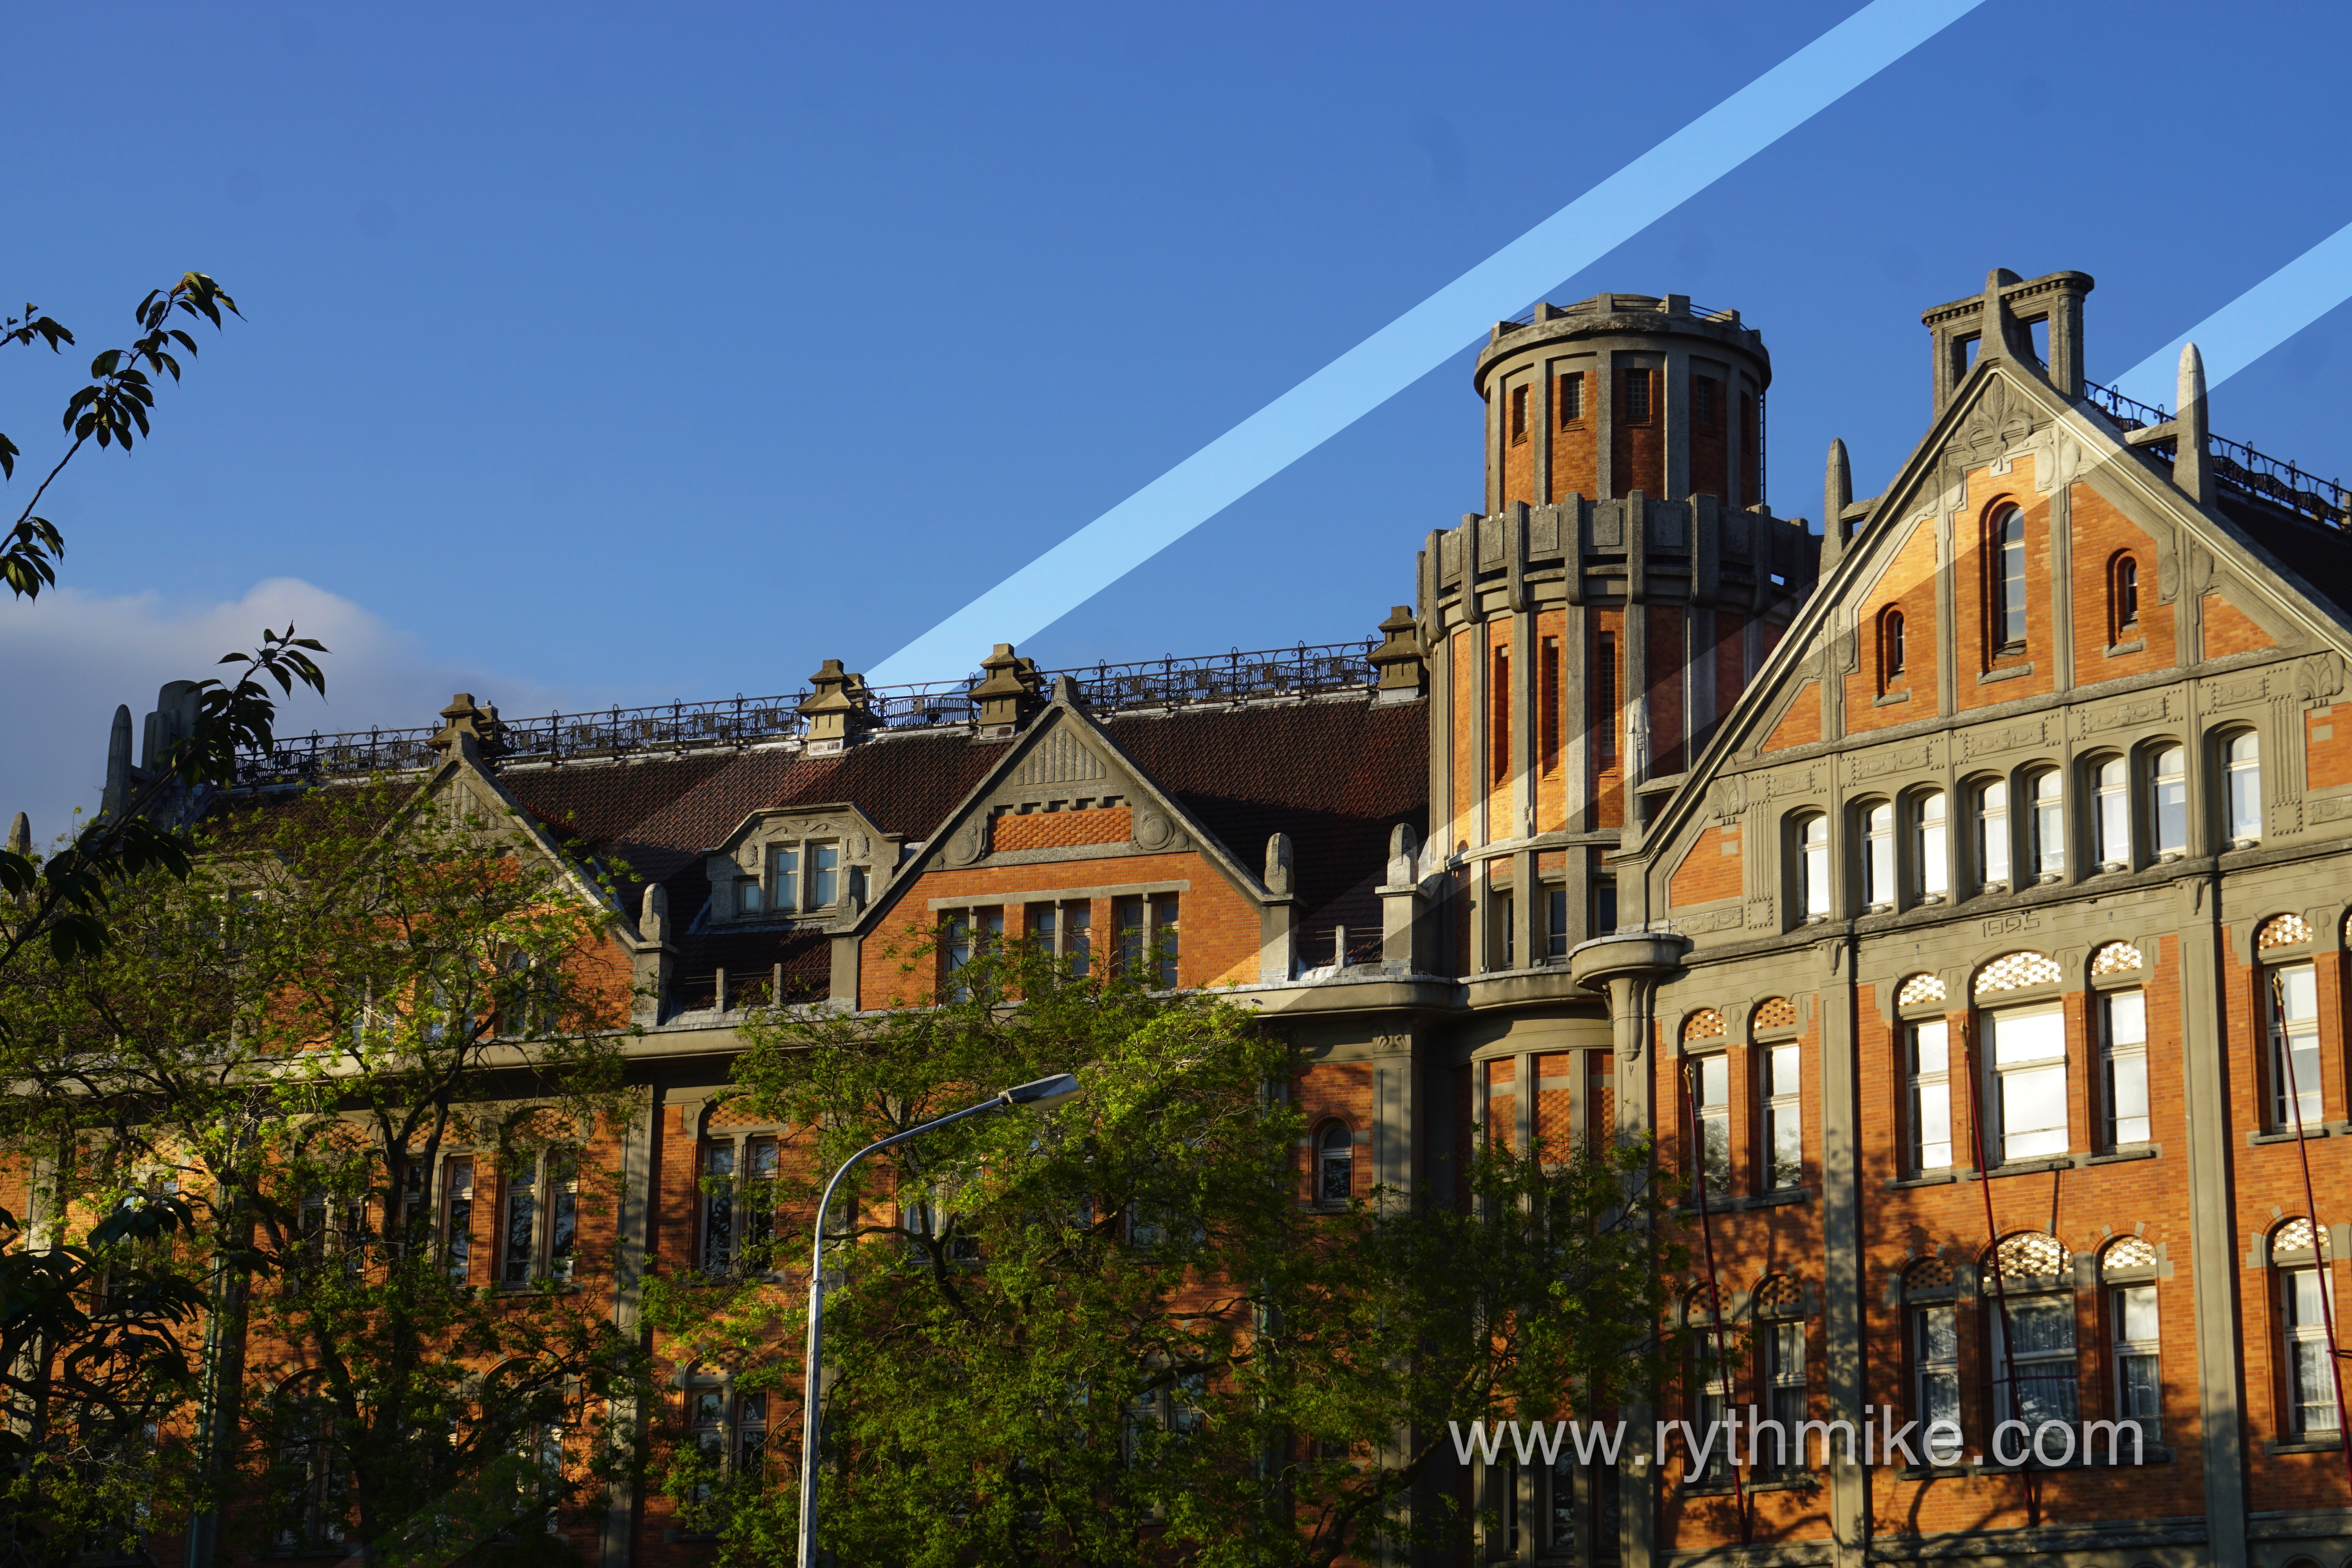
1587, 632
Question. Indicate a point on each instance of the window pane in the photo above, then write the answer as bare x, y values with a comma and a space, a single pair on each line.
1879, 869
2136, 1311
1933, 1103
1077, 937
1992, 832
1788, 1149
2049, 824
2115, 814
2023, 1036
2172, 802
1930, 1050
1940, 1335
1932, 854
1782, 1069
824, 868
784, 879
1713, 1081
2126, 1019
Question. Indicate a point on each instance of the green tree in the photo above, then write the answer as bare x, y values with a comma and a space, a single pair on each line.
1108, 1334
63, 900
346, 986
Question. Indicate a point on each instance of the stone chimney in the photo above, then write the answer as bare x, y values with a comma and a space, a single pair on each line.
467, 730
1403, 675
839, 710
1010, 692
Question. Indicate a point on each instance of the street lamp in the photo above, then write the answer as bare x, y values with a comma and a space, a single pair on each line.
1037, 1094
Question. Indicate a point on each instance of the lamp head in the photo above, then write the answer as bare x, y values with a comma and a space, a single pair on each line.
1043, 1092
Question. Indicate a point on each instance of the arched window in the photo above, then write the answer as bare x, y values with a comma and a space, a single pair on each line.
1781, 1365
1992, 836
1890, 647
2049, 796
1927, 1071
1934, 1333
2006, 539
2024, 1059
1878, 855
2123, 596
2243, 761
1814, 866
2034, 1333
2128, 1271
2112, 791
313, 1477
1335, 1164
2292, 999
1931, 846
2302, 1261
2168, 783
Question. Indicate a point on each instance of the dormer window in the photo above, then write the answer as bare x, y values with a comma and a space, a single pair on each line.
783, 879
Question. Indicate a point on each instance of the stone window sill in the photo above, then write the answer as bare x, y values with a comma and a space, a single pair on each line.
2033, 1167
2302, 1445
2006, 672
2126, 1154
1932, 1178
2121, 649
1805, 1482
1890, 698
2311, 1130
1761, 1201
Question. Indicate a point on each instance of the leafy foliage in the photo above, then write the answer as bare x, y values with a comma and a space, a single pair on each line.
1110, 1333
344, 988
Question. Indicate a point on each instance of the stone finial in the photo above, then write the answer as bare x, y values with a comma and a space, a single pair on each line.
1404, 856
1837, 494
1278, 878
839, 708
467, 728
653, 916
120, 781
1399, 658
20, 836
1008, 693
2192, 460
1067, 692
1998, 332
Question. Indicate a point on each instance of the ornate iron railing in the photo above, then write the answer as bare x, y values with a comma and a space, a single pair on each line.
2236, 464
729, 722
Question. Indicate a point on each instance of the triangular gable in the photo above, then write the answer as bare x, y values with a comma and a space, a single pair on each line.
2002, 411
1063, 757
460, 779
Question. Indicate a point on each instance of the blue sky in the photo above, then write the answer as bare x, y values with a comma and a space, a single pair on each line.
665, 353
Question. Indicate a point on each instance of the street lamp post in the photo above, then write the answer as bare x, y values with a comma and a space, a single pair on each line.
1040, 1093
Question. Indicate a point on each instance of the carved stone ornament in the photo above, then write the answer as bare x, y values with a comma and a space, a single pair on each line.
1729, 799
2168, 568
2142, 710
968, 843
2008, 737
1781, 785
1998, 423
1900, 760
2319, 678
2334, 810
1759, 914
1152, 828
2230, 693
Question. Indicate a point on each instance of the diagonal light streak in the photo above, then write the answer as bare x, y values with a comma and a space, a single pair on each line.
2254, 323
1420, 340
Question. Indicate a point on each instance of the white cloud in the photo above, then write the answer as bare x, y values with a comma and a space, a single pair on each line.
70, 657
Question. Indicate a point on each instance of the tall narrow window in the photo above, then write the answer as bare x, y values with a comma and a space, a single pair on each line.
1131, 936
1784, 1381
2042, 1352
1498, 716
2140, 1391
1039, 924
1166, 937
1518, 414
2123, 1062
1077, 937
718, 1207
1637, 397
2168, 790
956, 948
2112, 799
1555, 932
747, 896
563, 1181
1992, 835
825, 875
458, 1223
1814, 866
2311, 1381
2244, 763
1706, 401
2294, 1047
1711, 1081
784, 878
1935, 1364
2050, 824
1784, 1120
1335, 1166
1931, 1095
1890, 649
521, 1228
1506, 931
1547, 707
757, 1220
2123, 592
1604, 905
1931, 848
2008, 580
1604, 700
1878, 857
2029, 1071
1571, 399
1710, 1402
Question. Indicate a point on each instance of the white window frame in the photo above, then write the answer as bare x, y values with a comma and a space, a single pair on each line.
1931, 846
1880, 891
2049, 1365
2242, 767
1927, 1085
1935, 1378
1781, 1084
2297, 1036
1784, 1383
1813, 887
1712, 1107
2168, 801
2310, 1378
2046, 799
2112, 813
2132, 1353
2016, 1075
1993, 847
2123, 1065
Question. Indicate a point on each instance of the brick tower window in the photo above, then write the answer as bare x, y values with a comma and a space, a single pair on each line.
1518, 414
1637, 397
1571, 399
2123, 596
1706, 401
2006, 585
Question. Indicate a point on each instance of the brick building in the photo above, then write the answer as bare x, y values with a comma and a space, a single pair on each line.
1965, 879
